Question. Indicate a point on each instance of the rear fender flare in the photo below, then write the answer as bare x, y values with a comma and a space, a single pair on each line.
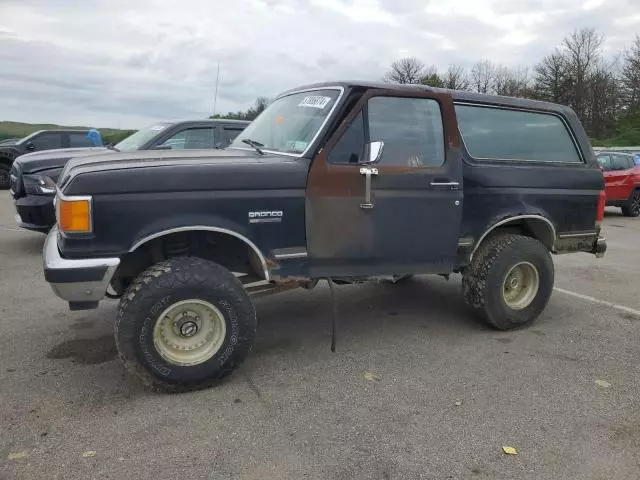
545, 231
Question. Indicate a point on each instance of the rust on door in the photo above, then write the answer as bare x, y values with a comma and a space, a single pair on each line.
339, 229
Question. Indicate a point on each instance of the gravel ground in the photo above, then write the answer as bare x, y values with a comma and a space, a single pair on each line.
417, 388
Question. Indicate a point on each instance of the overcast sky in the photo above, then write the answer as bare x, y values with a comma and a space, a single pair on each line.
125, 63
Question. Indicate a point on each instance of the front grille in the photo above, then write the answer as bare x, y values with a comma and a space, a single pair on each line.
16, 184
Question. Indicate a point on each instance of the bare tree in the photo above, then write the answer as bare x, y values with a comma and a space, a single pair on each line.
405, 70
631, 76
512, 82
483, 76
582, 50
456, 78
603, 100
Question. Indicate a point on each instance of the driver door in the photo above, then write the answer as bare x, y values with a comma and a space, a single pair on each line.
390, 210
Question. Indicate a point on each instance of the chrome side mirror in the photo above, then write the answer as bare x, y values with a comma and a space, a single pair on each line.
373, 152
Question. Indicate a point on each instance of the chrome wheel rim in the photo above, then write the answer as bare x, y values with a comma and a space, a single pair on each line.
520, 286
189, 332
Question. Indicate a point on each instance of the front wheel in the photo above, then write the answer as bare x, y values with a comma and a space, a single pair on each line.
184, 324
5, 177
509, 281
631, 208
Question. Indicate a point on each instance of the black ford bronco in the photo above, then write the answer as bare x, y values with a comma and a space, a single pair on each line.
343, 182
34, 175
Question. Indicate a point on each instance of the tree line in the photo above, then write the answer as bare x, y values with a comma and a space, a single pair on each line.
603, 91
257, 108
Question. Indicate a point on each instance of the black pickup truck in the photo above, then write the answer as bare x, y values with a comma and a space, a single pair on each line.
345, 182
40, 141
34, 176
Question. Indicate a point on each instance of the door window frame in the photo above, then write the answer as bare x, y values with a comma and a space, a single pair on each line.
451, 136
62, 135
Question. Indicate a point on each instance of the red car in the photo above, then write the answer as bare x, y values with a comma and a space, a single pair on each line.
622, 181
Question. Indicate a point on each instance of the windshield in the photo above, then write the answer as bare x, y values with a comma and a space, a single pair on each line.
142, 136
290, 123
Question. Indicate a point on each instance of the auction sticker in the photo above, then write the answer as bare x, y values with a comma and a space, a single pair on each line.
315, 101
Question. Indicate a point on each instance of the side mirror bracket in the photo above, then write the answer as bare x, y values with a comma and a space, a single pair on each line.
372, 153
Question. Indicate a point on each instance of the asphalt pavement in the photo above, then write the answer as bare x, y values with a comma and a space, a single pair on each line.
418, 389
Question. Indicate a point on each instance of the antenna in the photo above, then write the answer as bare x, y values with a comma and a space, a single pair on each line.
215, 98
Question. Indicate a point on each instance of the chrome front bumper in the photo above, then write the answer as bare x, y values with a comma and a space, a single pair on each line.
81, 282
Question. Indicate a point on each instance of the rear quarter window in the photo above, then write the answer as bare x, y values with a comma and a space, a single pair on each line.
491, 133
77, 140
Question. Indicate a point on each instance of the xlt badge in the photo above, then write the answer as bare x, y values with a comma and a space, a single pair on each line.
267, 216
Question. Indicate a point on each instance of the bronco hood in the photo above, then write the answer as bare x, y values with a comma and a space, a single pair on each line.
190, 170
48, 159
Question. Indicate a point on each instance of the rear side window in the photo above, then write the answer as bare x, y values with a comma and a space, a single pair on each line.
229, 134
620, 162
192, 138
503, 134
77, 139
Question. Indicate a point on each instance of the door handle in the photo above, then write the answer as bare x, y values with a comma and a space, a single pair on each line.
451, 185
367, 172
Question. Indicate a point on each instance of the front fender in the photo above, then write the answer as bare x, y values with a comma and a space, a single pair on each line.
185, 222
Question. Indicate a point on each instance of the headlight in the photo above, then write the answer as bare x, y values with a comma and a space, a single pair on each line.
73, 214
39, 185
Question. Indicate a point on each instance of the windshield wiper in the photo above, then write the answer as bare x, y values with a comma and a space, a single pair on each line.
254, 144
111, 147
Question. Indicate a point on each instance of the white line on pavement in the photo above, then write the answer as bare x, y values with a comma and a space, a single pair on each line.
622, 308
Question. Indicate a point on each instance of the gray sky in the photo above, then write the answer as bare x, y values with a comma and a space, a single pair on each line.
111, 63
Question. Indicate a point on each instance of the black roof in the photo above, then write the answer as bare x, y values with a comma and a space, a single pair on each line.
212, 121
624, 153
458, 95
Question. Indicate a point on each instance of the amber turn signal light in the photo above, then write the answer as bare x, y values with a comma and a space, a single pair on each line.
74, 214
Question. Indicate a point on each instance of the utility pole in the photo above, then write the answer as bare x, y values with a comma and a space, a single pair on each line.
215, 98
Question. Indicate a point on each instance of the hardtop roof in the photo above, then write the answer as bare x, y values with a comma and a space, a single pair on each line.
457, 95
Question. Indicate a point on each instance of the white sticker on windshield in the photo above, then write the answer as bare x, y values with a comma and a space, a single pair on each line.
157, 127
315, 102
296, 146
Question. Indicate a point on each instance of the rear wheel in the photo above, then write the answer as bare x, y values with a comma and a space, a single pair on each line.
4, 176
631, 208
510, 281
184, 324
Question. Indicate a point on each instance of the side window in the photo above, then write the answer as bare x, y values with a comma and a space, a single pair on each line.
605, 162
620, 162
350, 147
47, 141
229, 134
78, 139
192, 138
411, 129
504, 134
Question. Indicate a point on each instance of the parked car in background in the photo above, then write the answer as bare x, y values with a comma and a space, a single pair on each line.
622, 181
34, 176
39, 141
346, 182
